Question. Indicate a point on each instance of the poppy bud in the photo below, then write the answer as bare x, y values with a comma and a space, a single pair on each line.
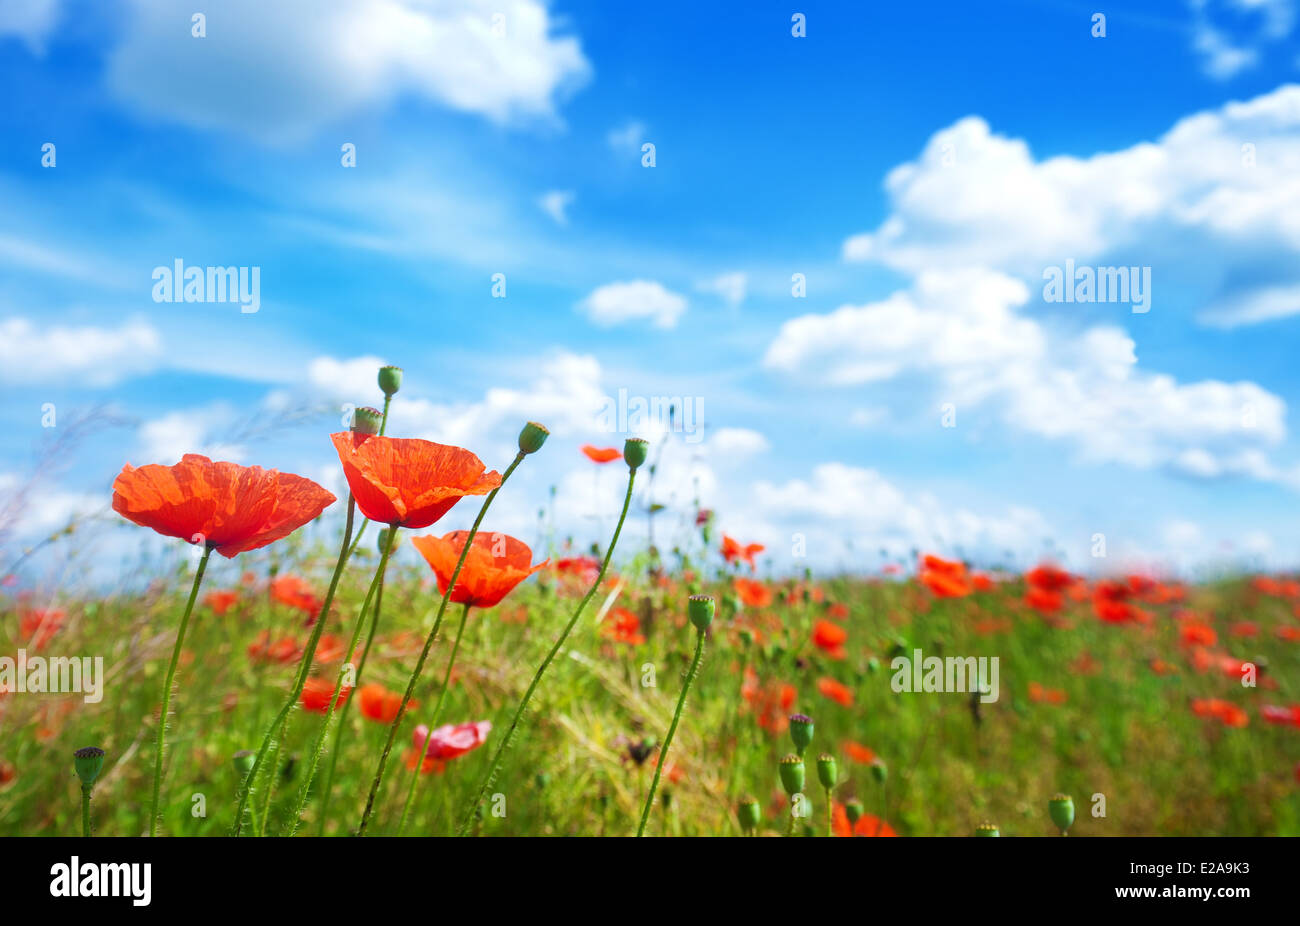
532, 437
854, 810
879, 770
746, 637
88, 761
635, 451
243, 761
801, 731
366, 420
987, 829
826, 770
700, 610
792, 774
1061, 810
383, 540
390, 380
749, 814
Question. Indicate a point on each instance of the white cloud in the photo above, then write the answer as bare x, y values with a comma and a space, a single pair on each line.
735, 444
627, 137
1260, 305
1226, 53
30, 20
615, 303
87, 355
355, 380
962, 329
165, 440
280, 71
1213, 202
556, 203
729, 286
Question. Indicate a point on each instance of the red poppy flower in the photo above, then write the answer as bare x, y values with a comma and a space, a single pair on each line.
1043, 600
408, 482
450, 740
584, 568
284, 650
39, 627
1281, 716
231, 507
838, 611
294, 591
830, 637
864, 755
317, 694
601, 454
221, 600
867, 824
836, 691
1038, 694
378, 703
1049, 578
1225, 712
944, 578
1194, 633
734, 552
622, 626
496, 563
771, 702
753, 593
981, 582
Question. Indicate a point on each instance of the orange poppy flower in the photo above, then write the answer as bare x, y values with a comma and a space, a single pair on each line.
622, 626
1049, 578
317, 694
39, 627
830, 637
231, 507
944, 578
753, 593
771, 702
867, 824
838, 611
284, 650
294, 591
496, 563
409, 482
734, 552
864, 755
378, 703
601, 454
1227, 713
981, 582
836, 691
1038, 694
1194, 633
221, 600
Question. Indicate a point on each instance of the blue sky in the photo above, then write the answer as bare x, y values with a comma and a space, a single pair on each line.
921, 168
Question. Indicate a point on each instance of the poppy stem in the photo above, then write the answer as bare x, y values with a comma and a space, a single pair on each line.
167, 690
428, 644
433, 721
376, 592
304, 668
383, 425
85, 810
668, 740
830, 829
486, 783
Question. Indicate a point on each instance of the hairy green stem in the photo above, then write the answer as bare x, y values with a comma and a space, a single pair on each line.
303, 669
85, 810
167, 691
376, 591
433, 721
428, 644
488, 778
668, 740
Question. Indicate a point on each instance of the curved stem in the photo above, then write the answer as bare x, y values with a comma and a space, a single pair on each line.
428, 643
303, 669
85, 810
668, 740
486, 783
167, 692
383, 426
376, 592
433, 721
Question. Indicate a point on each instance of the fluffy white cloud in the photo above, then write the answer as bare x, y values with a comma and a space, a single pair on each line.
737, 443
165, 440
1213, 202
278, 71
1226, 53
30, 20
962, 329
76, 355
355, 380
729, 286
615, 303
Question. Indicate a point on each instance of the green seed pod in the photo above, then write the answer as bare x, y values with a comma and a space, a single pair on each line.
700, 610
854, 810
879, 770
801, 732
382, 541
89, 762
748, 814
366, 420
635, 451
827, 772
390, 380
987, 829
532, 437
792, 774
1061, 809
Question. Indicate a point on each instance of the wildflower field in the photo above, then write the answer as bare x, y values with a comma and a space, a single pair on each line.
318, 678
